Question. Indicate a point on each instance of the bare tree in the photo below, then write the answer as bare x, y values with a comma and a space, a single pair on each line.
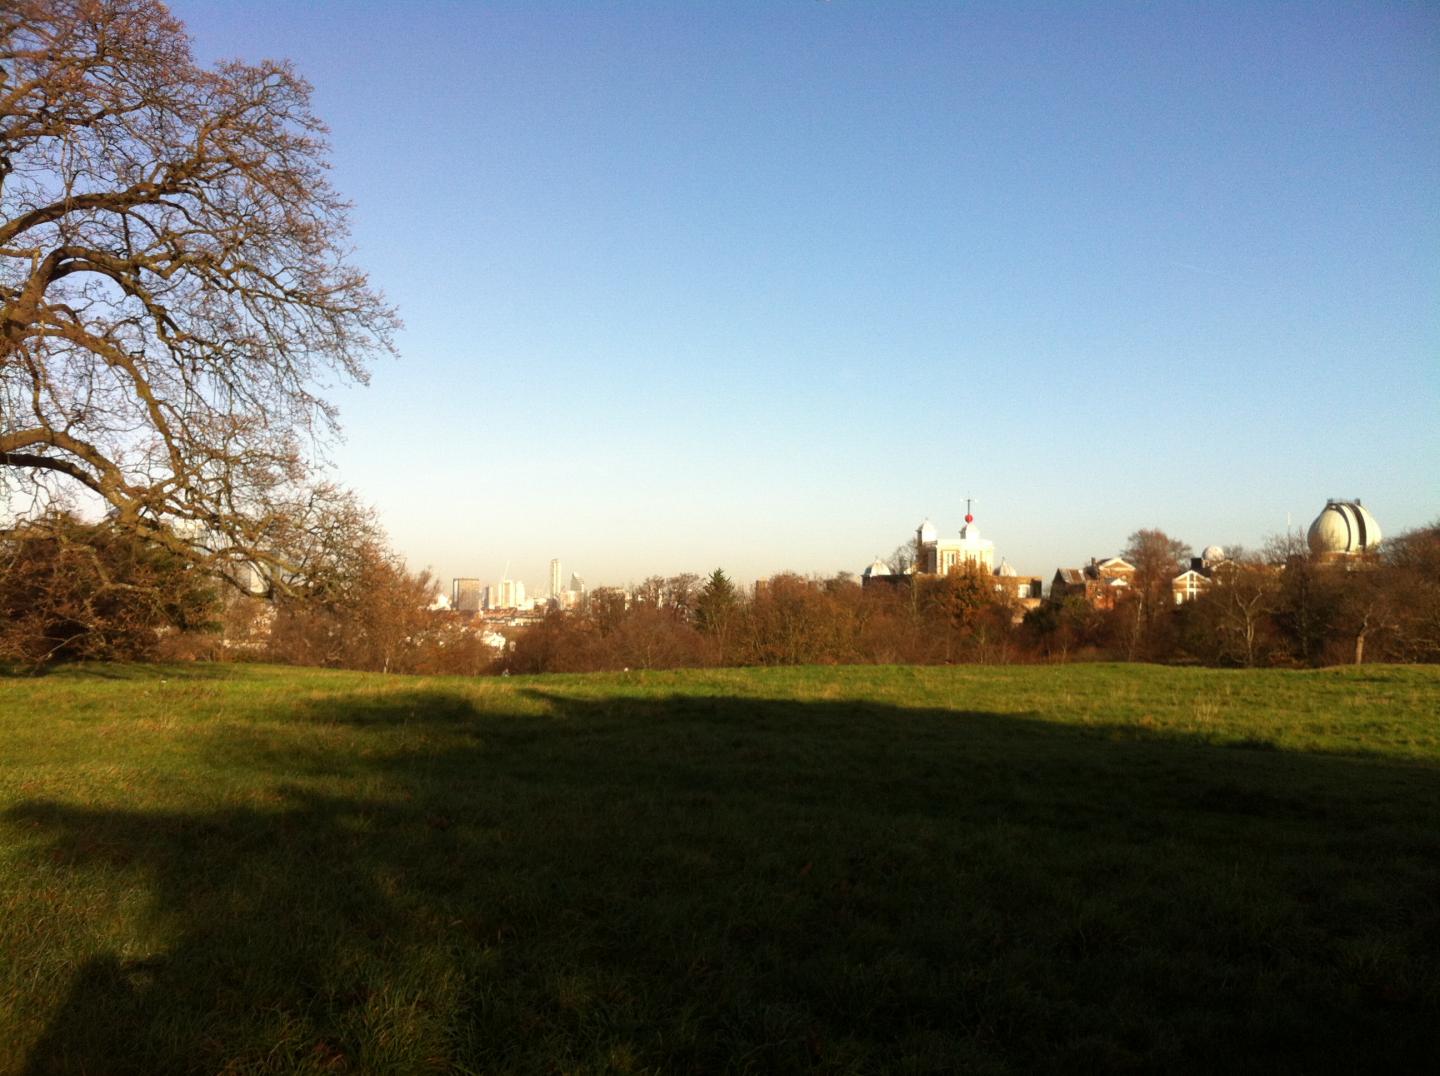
1242, 597
174, 283
905, 557
360, 607
1412, 564
1157, 559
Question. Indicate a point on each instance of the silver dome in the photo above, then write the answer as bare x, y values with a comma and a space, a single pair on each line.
1343, 527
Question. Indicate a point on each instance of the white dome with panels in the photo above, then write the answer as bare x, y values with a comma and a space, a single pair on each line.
877, 567
1345, 528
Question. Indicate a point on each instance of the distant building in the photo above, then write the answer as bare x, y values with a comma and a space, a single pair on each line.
1189, 585
880, 572
507, 594
1343, 530
466, 595
1197, 579
1025, 590
1101, 582
554, 578
941, 556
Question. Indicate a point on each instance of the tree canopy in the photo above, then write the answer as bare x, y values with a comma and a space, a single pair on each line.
175, 285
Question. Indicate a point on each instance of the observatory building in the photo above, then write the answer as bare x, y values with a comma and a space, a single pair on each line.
941, 556
1343, 529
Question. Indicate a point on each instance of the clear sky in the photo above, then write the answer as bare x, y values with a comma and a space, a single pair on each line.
759, 286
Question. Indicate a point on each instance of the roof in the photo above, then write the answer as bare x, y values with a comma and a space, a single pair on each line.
1114, 563
1343, 527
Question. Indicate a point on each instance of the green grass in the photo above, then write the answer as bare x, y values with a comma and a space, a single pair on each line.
1087, 868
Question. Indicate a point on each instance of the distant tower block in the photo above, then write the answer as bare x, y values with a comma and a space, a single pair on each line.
555, 578
466, 595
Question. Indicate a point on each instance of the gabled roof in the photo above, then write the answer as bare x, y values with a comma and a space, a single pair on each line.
1070, 575
1115, 563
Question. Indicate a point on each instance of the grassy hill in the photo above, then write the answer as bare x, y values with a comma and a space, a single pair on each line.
841, 870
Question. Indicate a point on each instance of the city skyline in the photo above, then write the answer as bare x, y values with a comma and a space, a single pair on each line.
763, 286
968, 540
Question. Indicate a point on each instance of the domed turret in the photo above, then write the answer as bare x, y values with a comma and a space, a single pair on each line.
1213, 554
1005, 568
1343, 528
877, 567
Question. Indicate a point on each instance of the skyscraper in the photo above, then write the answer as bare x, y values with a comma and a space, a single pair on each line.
466, 595
555, 578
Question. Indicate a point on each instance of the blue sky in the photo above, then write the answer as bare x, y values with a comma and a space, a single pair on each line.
760, 286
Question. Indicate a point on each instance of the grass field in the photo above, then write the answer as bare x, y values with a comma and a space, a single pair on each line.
1086, 868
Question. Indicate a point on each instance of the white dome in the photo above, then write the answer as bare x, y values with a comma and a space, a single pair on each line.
1005, 568
1343, 527
927, 532
877, 567
1213, 554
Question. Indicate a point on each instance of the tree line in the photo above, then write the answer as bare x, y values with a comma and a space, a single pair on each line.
72, 590
1278, 606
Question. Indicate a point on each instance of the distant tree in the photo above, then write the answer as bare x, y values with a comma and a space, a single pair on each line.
560, 642
1058, 630
673, 594
74, 590
1157, 559
1411, 563
1231, 621
957, 597
605, 609
953, 606
793, 621
1307, 605
1367, 608
904, 558
716, 608
361, 607
175, 285
680, 594
651, 592
449, 644
647, 637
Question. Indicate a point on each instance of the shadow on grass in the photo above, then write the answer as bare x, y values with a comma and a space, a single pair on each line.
103, 670
715, 884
